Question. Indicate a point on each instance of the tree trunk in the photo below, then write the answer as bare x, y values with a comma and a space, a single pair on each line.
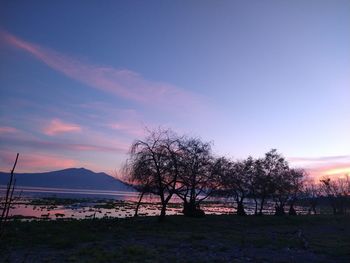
279, 210
314, 209
292, 211
162, 212
240, 209
340, 205
191, 209
138, 204
261, 206
334, 209
256, 207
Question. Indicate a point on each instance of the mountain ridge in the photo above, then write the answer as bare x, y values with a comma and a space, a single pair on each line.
74, 178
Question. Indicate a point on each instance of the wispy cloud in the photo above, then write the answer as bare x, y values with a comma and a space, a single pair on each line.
318, 159
129, 128
330, 170
109, 111
329, 166
123, 83
7, 129
57, 126
89, 141
64, 146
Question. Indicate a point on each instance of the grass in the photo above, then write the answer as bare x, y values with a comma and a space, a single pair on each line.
212, 238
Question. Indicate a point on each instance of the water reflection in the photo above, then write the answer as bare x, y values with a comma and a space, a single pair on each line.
35, 203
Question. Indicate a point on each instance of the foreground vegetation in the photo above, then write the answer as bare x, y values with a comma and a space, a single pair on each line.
180, 239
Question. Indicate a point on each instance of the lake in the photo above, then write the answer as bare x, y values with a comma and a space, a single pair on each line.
56, 203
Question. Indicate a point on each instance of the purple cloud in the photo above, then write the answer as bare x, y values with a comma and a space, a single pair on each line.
120, 82
57, 126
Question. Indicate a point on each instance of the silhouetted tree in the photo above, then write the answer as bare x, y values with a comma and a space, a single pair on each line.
152, 167
312, 193
197, 179
264, 179
296, 182
254, 180
165, 164
275, 170
235, 181
337, 192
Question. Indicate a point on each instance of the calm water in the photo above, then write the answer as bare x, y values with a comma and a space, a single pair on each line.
99, 204
71, 193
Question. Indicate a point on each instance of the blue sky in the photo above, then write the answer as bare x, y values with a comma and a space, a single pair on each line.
81, 79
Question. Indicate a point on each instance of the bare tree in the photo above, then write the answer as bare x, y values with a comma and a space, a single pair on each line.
312, 193
8, 198
152, 168
254, 180
288, 184
276, 171
265, 178
337, 192
297, 182
235, 181
197, 178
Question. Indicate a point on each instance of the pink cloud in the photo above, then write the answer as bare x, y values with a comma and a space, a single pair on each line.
89, 141
64, 146
35, 162
57, 126
331, 170
6, 129
128, 128
123, 83
318, 159
109, 111
323, 166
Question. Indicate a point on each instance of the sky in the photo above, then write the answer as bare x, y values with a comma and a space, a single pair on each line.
81, 80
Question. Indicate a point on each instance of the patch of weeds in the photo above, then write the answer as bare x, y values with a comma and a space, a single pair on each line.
326, 235
330, 246
109, 205
138, 253
55, 201
72, 259
256, 242
196, 260
61, 243
96, 254
197, 236
134, 250
223, 249
179, 236
162, 249
201, 247
232, 237
290, 242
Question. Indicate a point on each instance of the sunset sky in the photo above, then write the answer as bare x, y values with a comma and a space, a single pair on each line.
80, 80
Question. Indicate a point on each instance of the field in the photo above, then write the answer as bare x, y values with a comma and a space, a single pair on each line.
224, 238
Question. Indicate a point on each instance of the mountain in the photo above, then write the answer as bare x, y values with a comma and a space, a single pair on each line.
75, 178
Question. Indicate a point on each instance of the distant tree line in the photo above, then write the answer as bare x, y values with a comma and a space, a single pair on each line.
166, 165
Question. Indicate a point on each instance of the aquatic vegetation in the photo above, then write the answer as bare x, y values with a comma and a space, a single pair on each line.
59, 215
